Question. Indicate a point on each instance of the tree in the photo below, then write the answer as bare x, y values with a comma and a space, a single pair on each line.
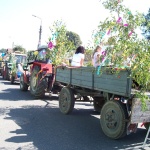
19, 48
74, 37
2, 50
118, 32
146, 26
59, 44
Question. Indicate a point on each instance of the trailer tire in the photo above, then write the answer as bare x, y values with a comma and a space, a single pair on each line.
37, 89
113, 119
66, 100
23, 85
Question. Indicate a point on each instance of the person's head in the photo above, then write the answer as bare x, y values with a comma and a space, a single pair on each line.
80, 49
97, 49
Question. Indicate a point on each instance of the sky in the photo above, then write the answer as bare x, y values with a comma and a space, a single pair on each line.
19, 27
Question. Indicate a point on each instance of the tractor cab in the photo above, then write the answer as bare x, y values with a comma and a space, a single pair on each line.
40, 55
17, 60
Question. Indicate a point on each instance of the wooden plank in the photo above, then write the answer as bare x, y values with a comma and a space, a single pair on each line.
82, 83
116, 83
137, 114
63, 75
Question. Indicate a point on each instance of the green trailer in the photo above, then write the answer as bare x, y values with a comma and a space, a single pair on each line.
112, 95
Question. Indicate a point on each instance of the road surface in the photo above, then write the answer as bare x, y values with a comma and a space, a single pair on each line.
27, 123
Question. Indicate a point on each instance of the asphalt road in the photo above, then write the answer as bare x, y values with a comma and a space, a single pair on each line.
27, 123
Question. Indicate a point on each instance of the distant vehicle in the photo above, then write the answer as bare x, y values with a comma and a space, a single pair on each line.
16, 68
11, 61
2, 62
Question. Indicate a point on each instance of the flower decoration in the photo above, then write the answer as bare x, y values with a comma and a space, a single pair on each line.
130, 33
125, 25
119, 20
50, 45
108, 32
36, 53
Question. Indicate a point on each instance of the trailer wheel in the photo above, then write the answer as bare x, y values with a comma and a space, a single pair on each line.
23, 85
37, 87
66, 100
113, 119
98, 103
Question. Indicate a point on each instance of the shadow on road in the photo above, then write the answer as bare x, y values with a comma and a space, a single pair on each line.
48, 129
12, 94
15, 94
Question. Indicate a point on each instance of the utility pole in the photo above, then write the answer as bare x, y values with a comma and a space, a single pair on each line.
40, 31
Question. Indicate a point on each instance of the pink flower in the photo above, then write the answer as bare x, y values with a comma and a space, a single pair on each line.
108, 32
125, 25
119, 20
130, 33
50, 45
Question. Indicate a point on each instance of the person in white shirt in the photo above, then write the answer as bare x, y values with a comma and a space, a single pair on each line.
78, 57
20, 68
96, 56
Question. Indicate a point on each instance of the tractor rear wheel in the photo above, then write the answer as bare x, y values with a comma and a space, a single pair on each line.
37, 87
23, 85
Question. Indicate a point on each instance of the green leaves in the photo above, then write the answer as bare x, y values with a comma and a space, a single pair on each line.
61, 42
124, 42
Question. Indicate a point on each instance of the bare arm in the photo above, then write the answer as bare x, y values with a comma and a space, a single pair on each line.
98, 58
81, 62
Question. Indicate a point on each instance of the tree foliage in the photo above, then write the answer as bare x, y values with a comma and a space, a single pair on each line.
118, 32
75, 38
19, 48
2, 50
60, 41
146, 26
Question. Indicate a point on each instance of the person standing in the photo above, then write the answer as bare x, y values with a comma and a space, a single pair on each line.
96, 56
78, 57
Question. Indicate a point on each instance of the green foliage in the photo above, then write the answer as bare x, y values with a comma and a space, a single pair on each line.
75, 38
88, 57
2, 50
123, 42
13, 69
20, 49
146, 26
61, 42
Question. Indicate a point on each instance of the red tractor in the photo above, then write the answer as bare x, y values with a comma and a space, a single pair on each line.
38, 74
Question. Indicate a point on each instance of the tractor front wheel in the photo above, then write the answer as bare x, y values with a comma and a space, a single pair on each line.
23, 85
